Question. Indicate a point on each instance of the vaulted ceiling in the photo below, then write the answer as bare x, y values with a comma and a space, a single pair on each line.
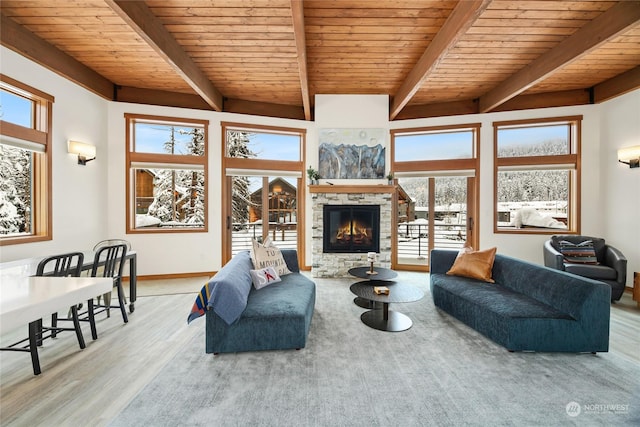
271, 57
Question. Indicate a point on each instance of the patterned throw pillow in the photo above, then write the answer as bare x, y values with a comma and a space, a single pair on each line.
264, 277
578, 253
268, 255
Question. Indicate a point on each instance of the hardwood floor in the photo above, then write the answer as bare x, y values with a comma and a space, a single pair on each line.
90, 387
624, 338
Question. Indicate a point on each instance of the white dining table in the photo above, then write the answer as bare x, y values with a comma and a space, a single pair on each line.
25, 300
27, 267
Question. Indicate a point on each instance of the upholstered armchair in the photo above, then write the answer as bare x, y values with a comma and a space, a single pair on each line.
574, 254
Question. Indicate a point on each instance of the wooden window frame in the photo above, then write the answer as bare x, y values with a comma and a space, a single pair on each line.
132, 157
442, 166
538, 163
438, 165
263, 165
40, 133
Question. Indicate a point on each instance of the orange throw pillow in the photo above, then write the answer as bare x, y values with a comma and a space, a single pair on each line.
474, 264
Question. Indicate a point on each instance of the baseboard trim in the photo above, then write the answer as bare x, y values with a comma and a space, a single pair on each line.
173, 276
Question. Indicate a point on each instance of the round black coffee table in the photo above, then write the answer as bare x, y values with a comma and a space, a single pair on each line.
385, 319
379, 274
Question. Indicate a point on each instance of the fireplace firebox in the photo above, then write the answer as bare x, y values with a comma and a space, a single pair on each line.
351, 228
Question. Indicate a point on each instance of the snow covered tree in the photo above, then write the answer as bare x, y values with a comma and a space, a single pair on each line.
238, 146
179, 194
15, 190
164, 183
193, 181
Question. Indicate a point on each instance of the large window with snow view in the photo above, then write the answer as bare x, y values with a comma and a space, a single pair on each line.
262, 191
25, 163
166, 174
537, 175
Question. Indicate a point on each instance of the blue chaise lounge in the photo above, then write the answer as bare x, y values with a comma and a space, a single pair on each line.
529, 307
242, 318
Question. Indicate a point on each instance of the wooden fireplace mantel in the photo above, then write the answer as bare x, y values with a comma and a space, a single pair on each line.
344, 189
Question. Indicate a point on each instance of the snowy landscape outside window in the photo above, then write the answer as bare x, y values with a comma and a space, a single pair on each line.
263, 168
537, 175
434, 169
167, 173
25, 163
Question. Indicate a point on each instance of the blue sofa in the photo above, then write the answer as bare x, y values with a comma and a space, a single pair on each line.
529, 308
276, 317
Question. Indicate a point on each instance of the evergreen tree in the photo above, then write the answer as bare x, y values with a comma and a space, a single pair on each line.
164, 187
238, 146
179, 194
193, 181
15, 190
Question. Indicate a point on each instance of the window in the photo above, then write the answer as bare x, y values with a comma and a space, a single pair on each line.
262, 142
537, 172
262, 195
166, 174
25, 163
434, 145
435, 170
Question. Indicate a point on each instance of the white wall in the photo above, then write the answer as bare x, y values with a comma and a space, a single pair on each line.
89, 201
348, 111
79, 192
620, 201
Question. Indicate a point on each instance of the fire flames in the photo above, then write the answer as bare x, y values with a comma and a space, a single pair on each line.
353, 231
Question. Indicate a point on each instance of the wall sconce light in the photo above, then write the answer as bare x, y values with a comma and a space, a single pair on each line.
630, 156
85, 152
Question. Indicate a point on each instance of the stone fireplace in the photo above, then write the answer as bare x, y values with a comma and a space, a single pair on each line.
347, 199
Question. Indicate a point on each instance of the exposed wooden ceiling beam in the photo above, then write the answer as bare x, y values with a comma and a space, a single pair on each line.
160, 97
267, 109
297, 12
616, 86
15, 37
440, 109
563, 98
611, 23
521, 102
140, 18
456, 25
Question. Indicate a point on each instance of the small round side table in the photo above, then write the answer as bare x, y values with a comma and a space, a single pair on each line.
374, 274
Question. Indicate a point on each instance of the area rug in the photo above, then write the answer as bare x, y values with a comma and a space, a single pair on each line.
439, 372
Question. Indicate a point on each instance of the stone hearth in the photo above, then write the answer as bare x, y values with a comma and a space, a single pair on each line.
338, 264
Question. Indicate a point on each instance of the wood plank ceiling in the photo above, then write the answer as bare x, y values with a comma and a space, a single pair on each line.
271, 57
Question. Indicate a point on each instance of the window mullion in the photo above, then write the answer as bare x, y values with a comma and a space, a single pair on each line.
561, 159
166, 158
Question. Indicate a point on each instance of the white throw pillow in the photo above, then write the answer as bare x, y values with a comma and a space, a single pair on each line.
264, 277
268, 255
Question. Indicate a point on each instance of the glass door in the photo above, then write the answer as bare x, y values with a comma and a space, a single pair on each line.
261, 207
433, 212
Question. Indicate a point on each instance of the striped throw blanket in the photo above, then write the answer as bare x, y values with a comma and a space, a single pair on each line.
226, 293
200, 304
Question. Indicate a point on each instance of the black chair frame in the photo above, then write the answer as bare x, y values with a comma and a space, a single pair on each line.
108, 261
64, 265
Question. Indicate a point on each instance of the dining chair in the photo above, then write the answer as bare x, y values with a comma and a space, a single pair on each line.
101, 244
108, 261
64, 265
